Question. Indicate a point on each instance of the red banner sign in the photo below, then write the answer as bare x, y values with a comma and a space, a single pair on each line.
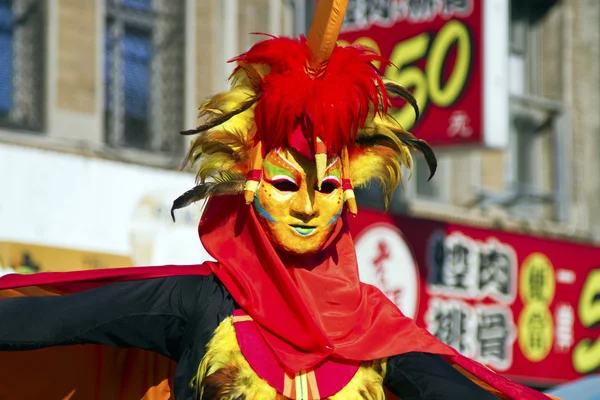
526, 307
438, 53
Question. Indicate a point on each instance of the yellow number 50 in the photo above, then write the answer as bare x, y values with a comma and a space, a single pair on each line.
586, 355
427, 85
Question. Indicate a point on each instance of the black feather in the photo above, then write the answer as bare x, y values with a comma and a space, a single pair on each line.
421, 146
398, 91
377, 140
204, 190
223, 118
200, 147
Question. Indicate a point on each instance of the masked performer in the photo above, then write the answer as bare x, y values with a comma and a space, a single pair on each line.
281, 314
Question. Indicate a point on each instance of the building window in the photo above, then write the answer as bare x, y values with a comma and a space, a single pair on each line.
436, 190
536, 153
431, 189
414, 188
22, 25
144, 74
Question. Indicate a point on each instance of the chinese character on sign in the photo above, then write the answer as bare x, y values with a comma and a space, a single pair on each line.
565, 319
427, 10
379, 10
436, 259
536, 331
482, 332
459, 125
449, 322
470, 268
386, 262
537, 281
458, 266
452, 7
536, 327
363, 12
495, 270
420, 10
494, 336
383, 254
356, 13
395, 295
453, 261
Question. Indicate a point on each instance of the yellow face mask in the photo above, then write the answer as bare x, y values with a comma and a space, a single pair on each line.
296, 215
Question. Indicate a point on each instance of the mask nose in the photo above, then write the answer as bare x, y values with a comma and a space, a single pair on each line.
303, 206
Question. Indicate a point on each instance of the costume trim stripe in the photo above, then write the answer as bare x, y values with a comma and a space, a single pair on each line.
251, 185
241, 318
301, 386
312, 385
287, 385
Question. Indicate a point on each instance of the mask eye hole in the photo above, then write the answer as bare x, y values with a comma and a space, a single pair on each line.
328, 186
285, 186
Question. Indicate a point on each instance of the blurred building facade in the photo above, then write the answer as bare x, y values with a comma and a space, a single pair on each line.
117, 79
97, 91
545, 182
111, 76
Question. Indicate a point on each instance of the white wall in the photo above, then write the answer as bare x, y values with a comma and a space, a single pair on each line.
69, 201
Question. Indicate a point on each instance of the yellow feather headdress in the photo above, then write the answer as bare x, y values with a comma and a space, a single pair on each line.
311, 95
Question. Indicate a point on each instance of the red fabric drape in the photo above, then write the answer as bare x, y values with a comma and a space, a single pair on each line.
308, 308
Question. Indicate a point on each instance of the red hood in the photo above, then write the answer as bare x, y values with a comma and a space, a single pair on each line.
307, 308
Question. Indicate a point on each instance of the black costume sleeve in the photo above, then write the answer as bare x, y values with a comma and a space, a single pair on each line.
149, 314
174, 316
423, 376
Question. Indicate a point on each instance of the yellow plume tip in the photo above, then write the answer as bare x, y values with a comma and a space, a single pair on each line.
321, 160
250, 191
350, 201
352, 206
248, 196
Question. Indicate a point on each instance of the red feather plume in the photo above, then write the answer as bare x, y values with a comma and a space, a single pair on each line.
294, 109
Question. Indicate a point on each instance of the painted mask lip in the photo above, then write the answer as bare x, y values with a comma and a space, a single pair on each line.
303, 230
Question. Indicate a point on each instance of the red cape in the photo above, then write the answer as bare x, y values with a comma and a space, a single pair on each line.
302, 309
94, 371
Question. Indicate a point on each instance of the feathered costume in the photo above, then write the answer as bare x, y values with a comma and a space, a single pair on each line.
258, 323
